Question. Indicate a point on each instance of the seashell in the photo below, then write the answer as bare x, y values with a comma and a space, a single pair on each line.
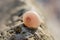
31, 19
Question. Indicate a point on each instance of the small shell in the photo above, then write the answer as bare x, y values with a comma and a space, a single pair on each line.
31, 19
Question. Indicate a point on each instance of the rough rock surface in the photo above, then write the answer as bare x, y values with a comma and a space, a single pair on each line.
11, 24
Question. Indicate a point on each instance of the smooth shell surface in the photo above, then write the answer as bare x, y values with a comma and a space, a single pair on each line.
31, 19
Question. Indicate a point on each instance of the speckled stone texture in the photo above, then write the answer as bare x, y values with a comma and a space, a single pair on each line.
11, 23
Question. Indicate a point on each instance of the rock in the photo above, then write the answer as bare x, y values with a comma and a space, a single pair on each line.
11, 23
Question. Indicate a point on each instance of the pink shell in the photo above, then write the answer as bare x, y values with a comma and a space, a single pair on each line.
31, 19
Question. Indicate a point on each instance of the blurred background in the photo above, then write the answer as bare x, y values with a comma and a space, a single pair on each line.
50, 9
